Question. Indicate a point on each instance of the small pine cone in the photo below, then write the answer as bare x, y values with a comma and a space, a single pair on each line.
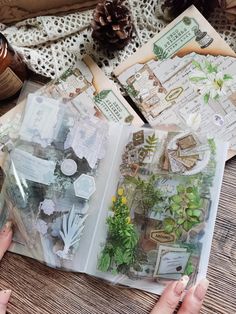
170, 9
112, 24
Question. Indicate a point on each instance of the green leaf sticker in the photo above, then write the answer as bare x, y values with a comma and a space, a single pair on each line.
104, 262
227, 77
207, 98
159, 52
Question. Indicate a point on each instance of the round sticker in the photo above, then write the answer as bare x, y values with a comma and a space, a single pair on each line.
68, 167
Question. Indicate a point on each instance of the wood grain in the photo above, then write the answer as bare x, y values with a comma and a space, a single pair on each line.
41, 290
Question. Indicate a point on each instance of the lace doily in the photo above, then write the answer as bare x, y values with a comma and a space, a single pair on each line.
51, 44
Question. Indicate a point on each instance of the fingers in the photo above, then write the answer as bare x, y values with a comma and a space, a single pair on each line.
171, 297
4, 298
5, 238
194, 298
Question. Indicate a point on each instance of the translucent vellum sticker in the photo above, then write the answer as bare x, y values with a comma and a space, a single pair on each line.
43, 192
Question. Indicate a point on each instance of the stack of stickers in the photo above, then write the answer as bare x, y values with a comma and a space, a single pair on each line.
183, 157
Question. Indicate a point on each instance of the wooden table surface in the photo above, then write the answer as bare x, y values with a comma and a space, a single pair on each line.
39, 289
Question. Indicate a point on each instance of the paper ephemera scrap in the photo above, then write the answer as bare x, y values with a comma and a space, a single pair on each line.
92, 93
185, 79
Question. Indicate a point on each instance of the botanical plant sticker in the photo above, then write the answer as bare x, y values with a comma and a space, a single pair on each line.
185, 209
194, 120
160, 52
72, 227
120, 250
209, 81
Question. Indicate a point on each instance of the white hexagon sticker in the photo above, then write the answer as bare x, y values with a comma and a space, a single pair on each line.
84, 186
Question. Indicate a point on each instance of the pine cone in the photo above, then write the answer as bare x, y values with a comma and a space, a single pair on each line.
170, 9
112, 24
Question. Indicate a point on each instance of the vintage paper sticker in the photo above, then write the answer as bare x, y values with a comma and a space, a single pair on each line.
32, 168
84, 186
40, 120
171, 260
182, 33
88, 138
68, 167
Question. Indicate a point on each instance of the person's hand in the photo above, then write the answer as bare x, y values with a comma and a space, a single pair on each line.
5, 242
173, 293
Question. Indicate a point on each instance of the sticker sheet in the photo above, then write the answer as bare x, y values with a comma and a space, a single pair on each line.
185, 79
159, 221
194, 92
50, 178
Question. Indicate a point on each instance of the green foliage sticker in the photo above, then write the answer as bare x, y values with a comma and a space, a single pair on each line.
120, 250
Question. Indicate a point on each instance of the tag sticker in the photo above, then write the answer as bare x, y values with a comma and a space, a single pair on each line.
160, 236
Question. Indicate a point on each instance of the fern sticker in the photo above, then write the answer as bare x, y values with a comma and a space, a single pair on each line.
151, 143
160, 53
102, 95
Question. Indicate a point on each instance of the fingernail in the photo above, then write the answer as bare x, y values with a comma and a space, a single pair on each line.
7, 228
5, 296
181, 285
201, 289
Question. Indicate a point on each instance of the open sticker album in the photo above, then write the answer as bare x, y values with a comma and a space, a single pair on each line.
132, 205
92, 189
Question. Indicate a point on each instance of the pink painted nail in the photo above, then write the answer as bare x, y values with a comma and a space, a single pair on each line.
6, 229
5, 296
201, 289
181, 285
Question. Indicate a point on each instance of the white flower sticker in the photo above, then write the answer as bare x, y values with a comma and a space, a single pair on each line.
47, 206
210, 82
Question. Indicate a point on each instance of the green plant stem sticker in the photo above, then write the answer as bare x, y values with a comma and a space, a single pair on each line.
182, 33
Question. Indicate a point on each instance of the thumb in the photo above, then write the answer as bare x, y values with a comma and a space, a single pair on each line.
5, 238
4, 298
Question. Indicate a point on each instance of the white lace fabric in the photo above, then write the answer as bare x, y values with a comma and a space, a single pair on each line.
51, 44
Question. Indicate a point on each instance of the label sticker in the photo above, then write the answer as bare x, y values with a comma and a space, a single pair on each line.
160, 236
111, 107
182, 33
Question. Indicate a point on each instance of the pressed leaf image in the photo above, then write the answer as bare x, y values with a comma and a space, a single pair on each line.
186, 211
131, 91
102, 95
150, 144
159, 52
